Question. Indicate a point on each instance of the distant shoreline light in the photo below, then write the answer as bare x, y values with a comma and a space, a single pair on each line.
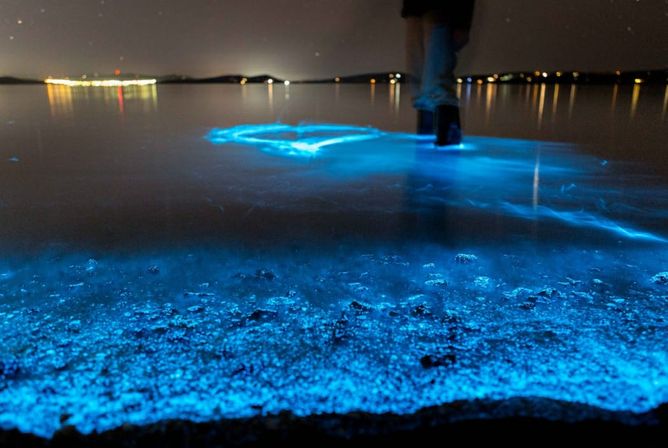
101, 82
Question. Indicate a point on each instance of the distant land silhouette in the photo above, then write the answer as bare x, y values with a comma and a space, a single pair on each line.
565, 77
13, 80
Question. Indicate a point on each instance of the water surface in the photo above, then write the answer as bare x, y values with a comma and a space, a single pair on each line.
157, 265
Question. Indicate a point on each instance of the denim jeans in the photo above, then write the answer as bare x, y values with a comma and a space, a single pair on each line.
431, 57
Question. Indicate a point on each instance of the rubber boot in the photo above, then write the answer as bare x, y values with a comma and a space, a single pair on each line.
425, 122
448, 127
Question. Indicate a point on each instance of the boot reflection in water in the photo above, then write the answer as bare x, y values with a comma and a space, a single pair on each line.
435, 32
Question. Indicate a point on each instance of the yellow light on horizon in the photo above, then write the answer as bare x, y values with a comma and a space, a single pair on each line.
243, 81
638, 81
337, 79
559, 74
491, 79
479, 81
372, 81
393, 81
101, 82
544, 74
460, 80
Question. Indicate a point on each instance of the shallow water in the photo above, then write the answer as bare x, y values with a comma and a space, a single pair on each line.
159, 261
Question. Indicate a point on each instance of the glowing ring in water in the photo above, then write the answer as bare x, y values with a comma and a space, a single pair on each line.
309, 138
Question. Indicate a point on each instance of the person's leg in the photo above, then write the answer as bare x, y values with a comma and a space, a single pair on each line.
439, 91
415, 63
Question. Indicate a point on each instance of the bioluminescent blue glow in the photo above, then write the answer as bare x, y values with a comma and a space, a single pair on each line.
211, 333
308, 139
581, 219
533, 180
347, 256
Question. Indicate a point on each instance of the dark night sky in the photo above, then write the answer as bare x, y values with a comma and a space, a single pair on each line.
317, 38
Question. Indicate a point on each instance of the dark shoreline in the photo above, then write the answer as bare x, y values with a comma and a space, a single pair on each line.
521, 421
566, 77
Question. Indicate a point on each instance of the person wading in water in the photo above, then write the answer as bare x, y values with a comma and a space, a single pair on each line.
436, 31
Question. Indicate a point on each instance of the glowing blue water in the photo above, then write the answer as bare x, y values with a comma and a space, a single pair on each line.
482, 173
367, 316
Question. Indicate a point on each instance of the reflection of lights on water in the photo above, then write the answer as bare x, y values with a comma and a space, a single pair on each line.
635, 96
101, 82
665, 104
121, 100
541, 105
270, 96
489, 101
60, 99
397, 98
615, 92
571, 100
555, 102
534, 98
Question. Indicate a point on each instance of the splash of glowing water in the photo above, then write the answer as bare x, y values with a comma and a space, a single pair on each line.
308, 140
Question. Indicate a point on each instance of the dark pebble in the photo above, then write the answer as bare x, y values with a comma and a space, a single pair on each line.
359, 307
528, 306
421, 311
262, 315
429, 361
